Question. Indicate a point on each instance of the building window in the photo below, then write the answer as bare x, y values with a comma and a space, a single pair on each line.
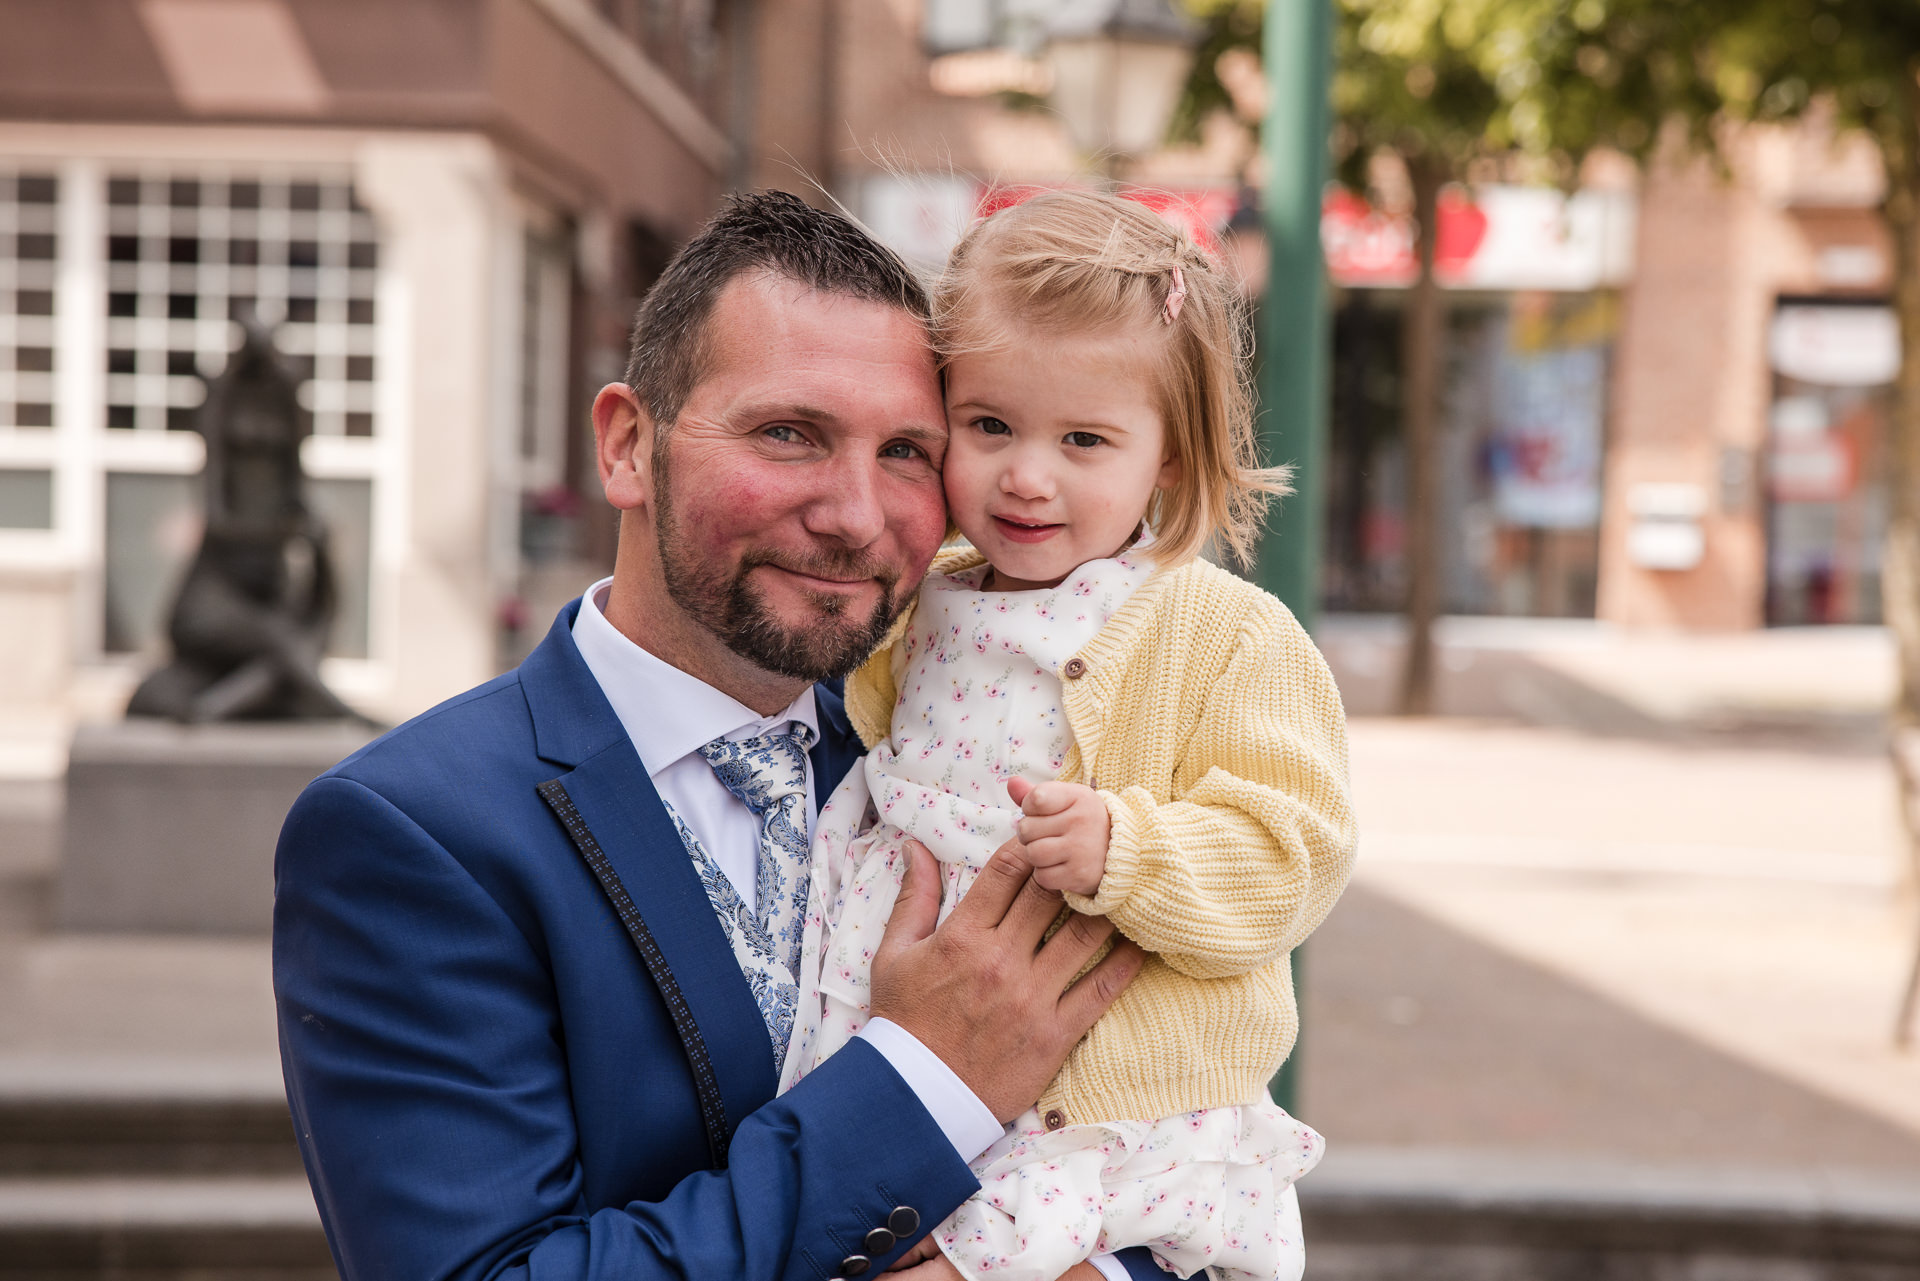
26, 498
189, 255
29, 248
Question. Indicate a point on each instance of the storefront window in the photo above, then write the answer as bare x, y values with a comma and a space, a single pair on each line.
1825, 467
1520, 453
1827, 510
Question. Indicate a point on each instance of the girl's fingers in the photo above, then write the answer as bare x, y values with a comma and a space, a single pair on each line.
1019, 789
1048, 798
1040, 829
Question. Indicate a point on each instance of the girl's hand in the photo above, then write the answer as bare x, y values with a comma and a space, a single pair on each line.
1066, 829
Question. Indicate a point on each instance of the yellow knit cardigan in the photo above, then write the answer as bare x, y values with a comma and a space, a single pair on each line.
1209, 723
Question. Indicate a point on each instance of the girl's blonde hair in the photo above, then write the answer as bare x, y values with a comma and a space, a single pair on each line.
1084, 260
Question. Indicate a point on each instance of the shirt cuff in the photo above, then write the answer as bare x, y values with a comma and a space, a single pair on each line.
958, 1111
1110, 1267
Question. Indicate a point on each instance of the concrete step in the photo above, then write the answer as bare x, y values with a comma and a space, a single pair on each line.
178, 1228
132, 1134
1436, 1215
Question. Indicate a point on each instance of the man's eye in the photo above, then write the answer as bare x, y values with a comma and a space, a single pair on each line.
902, 449
784, 434
1085, 439
993, 427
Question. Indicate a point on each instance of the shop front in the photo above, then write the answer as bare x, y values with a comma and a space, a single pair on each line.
1531, 280
1833, 368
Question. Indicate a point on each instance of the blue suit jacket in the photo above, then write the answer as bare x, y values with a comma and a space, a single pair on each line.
491, 1072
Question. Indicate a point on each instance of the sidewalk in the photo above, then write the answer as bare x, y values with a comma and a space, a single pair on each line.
1798, 687
1639, 926
1574, 944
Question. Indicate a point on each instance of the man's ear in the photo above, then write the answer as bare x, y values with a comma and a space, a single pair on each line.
623, 446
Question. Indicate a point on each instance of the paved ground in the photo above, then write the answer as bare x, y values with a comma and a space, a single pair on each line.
1730, 921
1671, 949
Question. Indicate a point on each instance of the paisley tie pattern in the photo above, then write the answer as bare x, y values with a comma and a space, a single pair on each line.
768, 774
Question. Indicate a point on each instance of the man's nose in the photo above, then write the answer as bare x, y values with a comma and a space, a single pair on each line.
848, 507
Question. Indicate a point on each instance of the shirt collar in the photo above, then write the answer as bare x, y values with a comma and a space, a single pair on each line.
666, 712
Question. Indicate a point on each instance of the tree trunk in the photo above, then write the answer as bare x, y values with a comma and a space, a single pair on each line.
1900, 582
1425, 324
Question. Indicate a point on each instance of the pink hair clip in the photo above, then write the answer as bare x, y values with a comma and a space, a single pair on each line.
1176, 296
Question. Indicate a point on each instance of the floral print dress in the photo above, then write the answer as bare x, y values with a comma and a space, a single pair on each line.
980, 702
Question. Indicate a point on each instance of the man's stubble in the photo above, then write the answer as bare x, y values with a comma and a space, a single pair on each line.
728, 605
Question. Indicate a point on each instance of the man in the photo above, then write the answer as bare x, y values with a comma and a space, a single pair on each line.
534, 950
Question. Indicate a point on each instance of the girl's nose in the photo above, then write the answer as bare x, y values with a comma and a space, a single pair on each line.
1027, 477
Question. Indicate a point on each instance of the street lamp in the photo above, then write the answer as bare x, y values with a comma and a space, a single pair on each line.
1118, 67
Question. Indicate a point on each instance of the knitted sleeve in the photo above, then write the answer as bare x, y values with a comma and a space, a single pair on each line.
1258, 840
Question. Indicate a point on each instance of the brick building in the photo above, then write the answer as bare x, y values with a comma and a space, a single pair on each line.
1755, 365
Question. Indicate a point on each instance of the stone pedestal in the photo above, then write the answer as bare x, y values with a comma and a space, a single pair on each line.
171, 828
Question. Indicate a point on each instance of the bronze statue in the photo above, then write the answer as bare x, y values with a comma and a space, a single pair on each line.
251, 620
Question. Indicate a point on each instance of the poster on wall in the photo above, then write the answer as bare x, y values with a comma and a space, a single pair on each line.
1544, 451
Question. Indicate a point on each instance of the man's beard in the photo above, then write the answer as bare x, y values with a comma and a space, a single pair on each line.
830, 644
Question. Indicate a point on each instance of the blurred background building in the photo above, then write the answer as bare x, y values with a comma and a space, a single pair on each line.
1664, 398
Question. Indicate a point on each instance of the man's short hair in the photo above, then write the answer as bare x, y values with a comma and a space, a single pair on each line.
769, 231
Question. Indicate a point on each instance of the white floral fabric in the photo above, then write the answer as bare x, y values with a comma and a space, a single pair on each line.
980, 702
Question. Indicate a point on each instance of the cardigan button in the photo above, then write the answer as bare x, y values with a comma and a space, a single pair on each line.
1055, 1118
1074, 669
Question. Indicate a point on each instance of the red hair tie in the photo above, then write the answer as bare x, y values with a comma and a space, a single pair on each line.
1176, 296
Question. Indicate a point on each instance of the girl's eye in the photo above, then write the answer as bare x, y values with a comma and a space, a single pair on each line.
1085, 439
993, 427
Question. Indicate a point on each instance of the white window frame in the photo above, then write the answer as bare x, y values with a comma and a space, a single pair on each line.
81, 451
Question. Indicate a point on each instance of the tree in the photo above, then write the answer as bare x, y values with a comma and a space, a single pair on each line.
1407, 82
1612, 73
1636, 76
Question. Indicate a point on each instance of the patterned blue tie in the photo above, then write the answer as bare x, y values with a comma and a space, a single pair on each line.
769, 776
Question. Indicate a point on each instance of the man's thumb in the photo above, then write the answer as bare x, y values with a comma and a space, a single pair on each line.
918, 905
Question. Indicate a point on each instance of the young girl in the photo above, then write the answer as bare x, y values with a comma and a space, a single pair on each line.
1160, 734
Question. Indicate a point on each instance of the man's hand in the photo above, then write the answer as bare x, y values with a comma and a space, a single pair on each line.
982, 991
1066, 829
940, 1268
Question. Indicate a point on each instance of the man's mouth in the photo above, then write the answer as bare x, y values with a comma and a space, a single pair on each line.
832, 583
1025, 531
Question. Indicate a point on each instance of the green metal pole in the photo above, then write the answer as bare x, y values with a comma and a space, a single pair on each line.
1293, 334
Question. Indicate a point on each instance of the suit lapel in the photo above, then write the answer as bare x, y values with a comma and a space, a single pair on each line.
616, 801
617, 804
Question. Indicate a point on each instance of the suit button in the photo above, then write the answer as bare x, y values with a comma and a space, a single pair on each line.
1055, 1118
855, 1265
1074, 669
878, 1241
903, 1221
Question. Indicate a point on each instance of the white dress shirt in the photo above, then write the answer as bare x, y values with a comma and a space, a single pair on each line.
670, 716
